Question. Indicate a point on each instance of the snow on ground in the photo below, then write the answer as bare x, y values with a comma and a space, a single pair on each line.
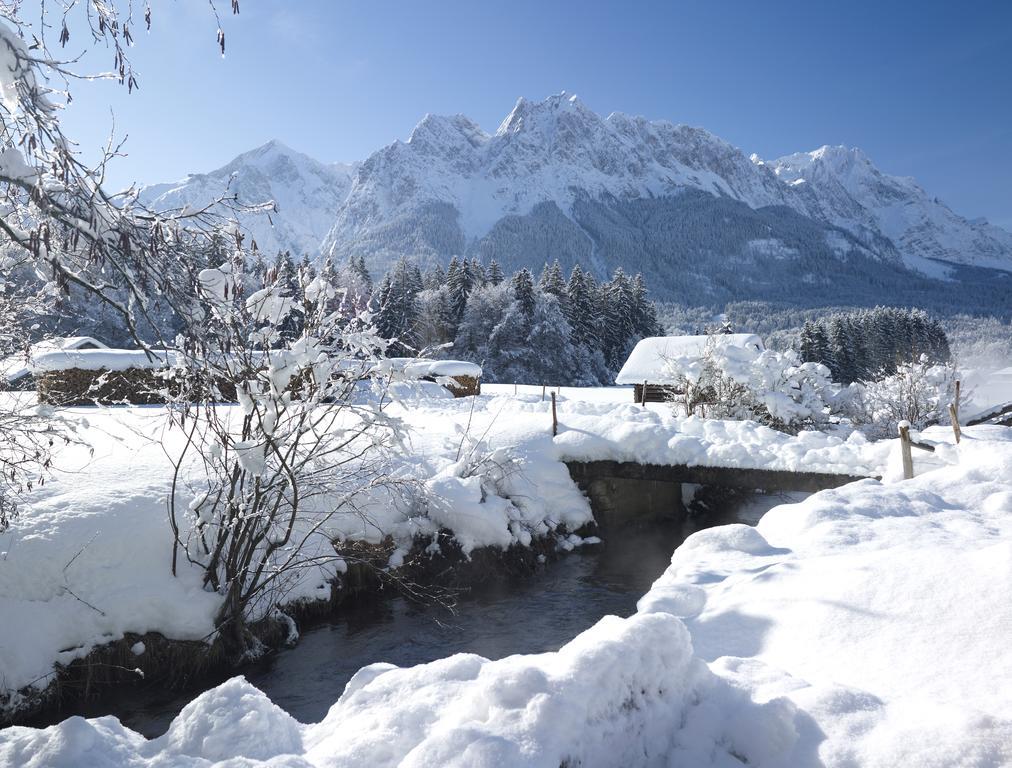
880, 610
864, 626
88, 560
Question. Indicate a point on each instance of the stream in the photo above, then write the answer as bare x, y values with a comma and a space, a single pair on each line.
531, 615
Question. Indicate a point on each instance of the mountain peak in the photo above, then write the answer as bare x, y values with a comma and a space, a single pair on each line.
527, 114
446, 130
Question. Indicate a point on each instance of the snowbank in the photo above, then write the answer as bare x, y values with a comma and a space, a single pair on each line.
627, 432
859, 627
881, 610
626, 692
89, 559
864, 626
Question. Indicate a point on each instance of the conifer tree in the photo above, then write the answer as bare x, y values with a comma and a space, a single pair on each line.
494, 274
358, 268
581, 308
434, 278
552, 281
523, 291
397, 313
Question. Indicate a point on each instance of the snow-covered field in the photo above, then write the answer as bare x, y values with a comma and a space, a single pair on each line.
863, 626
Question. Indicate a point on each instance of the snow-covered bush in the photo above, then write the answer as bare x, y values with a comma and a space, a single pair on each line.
258, 487
919, 392
772, 388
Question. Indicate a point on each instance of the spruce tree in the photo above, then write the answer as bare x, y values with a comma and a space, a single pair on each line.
644, 313
552, 281
494, 274
434, 278
397, 313
617, 327
523, 291
581, 308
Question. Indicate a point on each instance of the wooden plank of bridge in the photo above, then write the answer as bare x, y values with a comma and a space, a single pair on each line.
993, 416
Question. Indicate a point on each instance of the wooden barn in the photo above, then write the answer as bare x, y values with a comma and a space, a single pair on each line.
649, 364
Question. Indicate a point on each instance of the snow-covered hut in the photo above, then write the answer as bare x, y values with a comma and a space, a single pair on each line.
654, 360
17, 369
462, 378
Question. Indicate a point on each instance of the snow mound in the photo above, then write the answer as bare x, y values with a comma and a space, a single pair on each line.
626, 692
872, 607
592, 432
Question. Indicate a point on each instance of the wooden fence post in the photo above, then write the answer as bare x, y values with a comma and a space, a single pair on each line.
555, 418
643, 395
954, 417
543, 387
954, 414
908, 459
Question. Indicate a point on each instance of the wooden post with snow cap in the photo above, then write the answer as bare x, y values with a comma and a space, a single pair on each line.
555, 418
905, 452
954, 414
543, 387
954, 418
643, 394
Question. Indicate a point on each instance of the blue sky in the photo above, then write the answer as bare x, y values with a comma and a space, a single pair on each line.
925, 88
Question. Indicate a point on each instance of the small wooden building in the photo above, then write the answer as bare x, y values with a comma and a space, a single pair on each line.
654, 366
461, 378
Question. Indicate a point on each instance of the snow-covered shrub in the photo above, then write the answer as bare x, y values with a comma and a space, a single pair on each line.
919, 392
772, 388
307, 444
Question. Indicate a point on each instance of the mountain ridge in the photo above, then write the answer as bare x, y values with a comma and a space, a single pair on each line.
649, 195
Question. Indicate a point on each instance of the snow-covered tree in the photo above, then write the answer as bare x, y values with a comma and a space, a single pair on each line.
552, 281
773, 388
523, 291
494, 274
918, 392
582, 308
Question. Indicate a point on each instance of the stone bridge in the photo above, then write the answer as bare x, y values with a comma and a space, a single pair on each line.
623, 493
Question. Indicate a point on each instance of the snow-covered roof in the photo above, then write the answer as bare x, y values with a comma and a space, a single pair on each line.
435, 368
70, 342
98, 359
18, 366
651, 355
420, 368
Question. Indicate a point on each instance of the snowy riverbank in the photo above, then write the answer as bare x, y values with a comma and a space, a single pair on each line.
87, 562
867, 625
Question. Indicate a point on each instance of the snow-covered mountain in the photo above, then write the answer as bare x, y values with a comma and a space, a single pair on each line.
702, 221
841, 185
307, 193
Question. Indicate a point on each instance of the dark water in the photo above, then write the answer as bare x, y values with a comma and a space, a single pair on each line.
536, 614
